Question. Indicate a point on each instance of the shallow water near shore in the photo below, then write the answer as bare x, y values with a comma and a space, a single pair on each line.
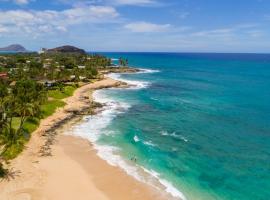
197, 123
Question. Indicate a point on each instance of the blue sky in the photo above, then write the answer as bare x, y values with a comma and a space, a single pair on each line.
138, 25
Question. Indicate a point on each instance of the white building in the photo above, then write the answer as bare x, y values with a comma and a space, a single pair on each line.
42, 50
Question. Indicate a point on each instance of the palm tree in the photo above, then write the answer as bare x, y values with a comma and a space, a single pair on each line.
24, 101
3, 94
3, 172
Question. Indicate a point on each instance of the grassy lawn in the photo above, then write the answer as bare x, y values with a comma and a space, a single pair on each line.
50, 107
32, 124
57, 94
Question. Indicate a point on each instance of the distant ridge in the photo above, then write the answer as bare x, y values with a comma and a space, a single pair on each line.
14, 47
66, 49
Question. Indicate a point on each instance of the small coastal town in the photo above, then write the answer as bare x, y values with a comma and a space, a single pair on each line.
34, 84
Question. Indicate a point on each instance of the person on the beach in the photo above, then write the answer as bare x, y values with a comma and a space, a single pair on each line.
134, 159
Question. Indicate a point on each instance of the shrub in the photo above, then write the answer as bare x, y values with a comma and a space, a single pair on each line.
3, 171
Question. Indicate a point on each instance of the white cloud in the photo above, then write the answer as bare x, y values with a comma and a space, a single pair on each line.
215, 32
38, 22
255, 33
134, 2
145, 27
112, 2
3, 29
183, 15
229, 31
19, 2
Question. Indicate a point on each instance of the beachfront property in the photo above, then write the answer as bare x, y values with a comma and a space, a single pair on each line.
3, 75
42, 50
81, 67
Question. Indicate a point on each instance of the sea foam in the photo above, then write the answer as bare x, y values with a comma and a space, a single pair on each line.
181, 137
148, 71
132, 83
93, 127
136, 138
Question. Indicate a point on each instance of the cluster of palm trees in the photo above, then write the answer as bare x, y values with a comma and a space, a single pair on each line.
22, 95
57, 66
123, 62
21, 101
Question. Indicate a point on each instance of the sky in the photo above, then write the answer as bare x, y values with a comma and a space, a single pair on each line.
138, 25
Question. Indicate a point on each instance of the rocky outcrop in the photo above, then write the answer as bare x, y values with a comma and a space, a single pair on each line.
14, 47
66, 49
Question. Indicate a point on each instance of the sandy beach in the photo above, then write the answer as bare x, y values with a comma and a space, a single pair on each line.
55, 166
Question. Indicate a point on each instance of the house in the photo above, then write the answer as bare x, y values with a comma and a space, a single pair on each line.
81, 67
12, 70
46, 65
3, 75
48, 83
41, 51
13, 83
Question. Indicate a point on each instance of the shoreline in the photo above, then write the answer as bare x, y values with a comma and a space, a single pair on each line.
51, 162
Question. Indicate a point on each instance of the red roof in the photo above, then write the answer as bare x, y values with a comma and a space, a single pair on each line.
3, 75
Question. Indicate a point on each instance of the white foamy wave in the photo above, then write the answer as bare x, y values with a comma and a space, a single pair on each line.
168, 186
110, 154
172, 190
93, 127
184, 139
136, 138
148, 71
165, 133
133, 84
149, 143
179, 137
114, 59
154, 99
110, 104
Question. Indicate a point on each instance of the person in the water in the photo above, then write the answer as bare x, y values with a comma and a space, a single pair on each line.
134, 159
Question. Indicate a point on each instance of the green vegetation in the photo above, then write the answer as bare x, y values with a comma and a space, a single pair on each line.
50, 107
19, 106
3, 171
123, 62
62, 93
33, 88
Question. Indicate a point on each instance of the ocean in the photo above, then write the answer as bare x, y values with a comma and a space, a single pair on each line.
194, 125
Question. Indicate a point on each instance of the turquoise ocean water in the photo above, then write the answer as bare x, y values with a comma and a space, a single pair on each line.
199, 124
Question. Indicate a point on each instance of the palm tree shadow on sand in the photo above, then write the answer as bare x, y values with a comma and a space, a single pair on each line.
11, 175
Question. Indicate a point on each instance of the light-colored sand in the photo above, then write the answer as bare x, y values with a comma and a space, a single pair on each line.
73, 172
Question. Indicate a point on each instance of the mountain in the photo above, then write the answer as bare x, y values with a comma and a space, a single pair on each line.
14, 47
66, 49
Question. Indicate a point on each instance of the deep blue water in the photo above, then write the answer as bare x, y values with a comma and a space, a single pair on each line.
202, 122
